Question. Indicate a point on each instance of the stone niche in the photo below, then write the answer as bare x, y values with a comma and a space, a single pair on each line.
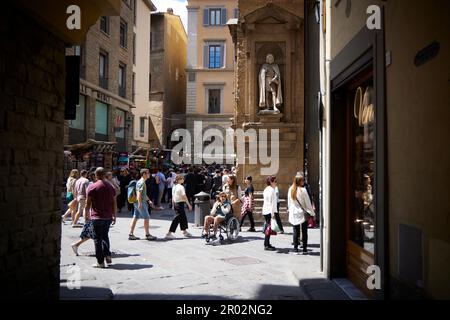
274, 27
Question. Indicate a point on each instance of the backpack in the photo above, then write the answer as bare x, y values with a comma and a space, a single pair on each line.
131, 192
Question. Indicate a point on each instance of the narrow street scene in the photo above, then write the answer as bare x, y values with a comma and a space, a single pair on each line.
226, 150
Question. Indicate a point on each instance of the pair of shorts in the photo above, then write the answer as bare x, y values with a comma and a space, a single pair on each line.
81, 205
69, 197
143, 213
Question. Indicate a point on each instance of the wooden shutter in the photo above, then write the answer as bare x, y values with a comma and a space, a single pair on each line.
222, 55
206, 17
224, 16
206, 56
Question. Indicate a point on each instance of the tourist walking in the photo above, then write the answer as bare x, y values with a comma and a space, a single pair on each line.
179, 200
141, 207
248, 204
124, 180
81, 186
70, 196
101, 208
300, 208
170, 183
268, 210
161, 181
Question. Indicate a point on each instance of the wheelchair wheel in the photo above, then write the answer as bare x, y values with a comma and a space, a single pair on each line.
232, 229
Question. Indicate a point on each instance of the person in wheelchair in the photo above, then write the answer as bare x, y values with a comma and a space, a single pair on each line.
221, 209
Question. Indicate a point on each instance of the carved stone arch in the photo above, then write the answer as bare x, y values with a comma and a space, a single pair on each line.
272, 14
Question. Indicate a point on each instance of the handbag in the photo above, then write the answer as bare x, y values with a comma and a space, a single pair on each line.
269, 232
274, 226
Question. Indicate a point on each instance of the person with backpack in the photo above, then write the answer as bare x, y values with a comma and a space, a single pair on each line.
141, 210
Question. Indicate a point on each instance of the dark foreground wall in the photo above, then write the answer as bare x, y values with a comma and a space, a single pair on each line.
32, 70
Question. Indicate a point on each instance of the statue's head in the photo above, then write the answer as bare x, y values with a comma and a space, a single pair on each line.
270, 59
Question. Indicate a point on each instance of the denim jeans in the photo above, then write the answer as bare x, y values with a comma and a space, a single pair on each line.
101, 240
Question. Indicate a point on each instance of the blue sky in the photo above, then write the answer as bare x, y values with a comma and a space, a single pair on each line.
178, 6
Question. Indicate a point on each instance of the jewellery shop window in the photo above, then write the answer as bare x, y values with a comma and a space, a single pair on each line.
362, 146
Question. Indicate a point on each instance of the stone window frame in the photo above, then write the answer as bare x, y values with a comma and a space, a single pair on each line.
219, 42
104, 82
142, 126
124, 24
214, 86
122, 90
207, 15
107, 30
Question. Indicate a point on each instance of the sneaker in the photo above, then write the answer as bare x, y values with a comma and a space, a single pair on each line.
160, 208
99, 265
75, 249
133, 237
204, 235
269, 248
295, 251
108, 260
281, 232
187, 234
305, 253
251, 230
149, 237
170, 236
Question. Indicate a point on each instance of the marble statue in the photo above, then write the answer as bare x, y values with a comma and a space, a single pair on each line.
270, 96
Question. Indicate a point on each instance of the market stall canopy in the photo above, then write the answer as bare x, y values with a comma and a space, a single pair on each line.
92, 145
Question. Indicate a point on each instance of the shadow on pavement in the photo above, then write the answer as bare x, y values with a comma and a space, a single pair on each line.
85, 293
122, 266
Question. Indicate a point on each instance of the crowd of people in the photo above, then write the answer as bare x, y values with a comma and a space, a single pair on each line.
98, 196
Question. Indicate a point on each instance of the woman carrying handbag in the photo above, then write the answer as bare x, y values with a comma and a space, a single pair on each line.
300, 208
268, 210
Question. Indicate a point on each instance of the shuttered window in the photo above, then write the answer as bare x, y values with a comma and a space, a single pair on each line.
214, 16
214, 55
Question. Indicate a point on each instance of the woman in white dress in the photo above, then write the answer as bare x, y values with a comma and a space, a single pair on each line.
299, 207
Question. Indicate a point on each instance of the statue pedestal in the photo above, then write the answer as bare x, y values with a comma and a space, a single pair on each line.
270, 118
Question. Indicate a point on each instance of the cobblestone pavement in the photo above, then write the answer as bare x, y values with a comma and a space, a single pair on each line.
186, 269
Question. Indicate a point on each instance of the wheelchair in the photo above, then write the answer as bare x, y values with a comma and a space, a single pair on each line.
230, 227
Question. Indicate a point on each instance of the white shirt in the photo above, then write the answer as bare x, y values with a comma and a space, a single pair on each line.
178, 193
270, 201
296, 213
70, 184
171, 180
224, 179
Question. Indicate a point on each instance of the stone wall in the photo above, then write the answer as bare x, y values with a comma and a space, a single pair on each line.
32, 89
